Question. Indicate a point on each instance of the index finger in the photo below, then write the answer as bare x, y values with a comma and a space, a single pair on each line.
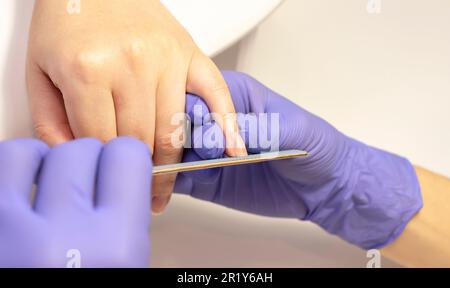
206, 81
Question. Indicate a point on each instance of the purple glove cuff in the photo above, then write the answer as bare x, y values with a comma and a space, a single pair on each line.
381, 195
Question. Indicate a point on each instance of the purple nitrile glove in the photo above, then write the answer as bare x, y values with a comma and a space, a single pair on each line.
362, 194
91, 207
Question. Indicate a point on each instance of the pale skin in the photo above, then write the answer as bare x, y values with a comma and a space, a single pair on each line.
120, 70
426, 240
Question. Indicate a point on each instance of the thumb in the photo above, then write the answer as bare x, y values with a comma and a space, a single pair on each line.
47, 107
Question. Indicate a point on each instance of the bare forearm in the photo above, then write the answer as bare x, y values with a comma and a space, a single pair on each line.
426, 240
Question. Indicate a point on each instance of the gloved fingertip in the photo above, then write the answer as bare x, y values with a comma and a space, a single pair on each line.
212, 153
22, 158
197, 110
129, 146
81, 143
190, 102
35, 144
209, 141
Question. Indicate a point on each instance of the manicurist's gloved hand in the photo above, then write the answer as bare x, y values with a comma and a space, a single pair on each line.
364, 195
91, 206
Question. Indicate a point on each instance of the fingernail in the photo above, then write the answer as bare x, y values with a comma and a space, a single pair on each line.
235, 145
159, 204
242, 149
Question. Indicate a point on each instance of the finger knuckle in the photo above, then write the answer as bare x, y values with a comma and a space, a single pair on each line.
43, 132
85, 65
134, 52
131, 147
53, 133
164, 145
219, 88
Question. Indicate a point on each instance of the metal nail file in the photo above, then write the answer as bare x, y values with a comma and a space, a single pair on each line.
230, 161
